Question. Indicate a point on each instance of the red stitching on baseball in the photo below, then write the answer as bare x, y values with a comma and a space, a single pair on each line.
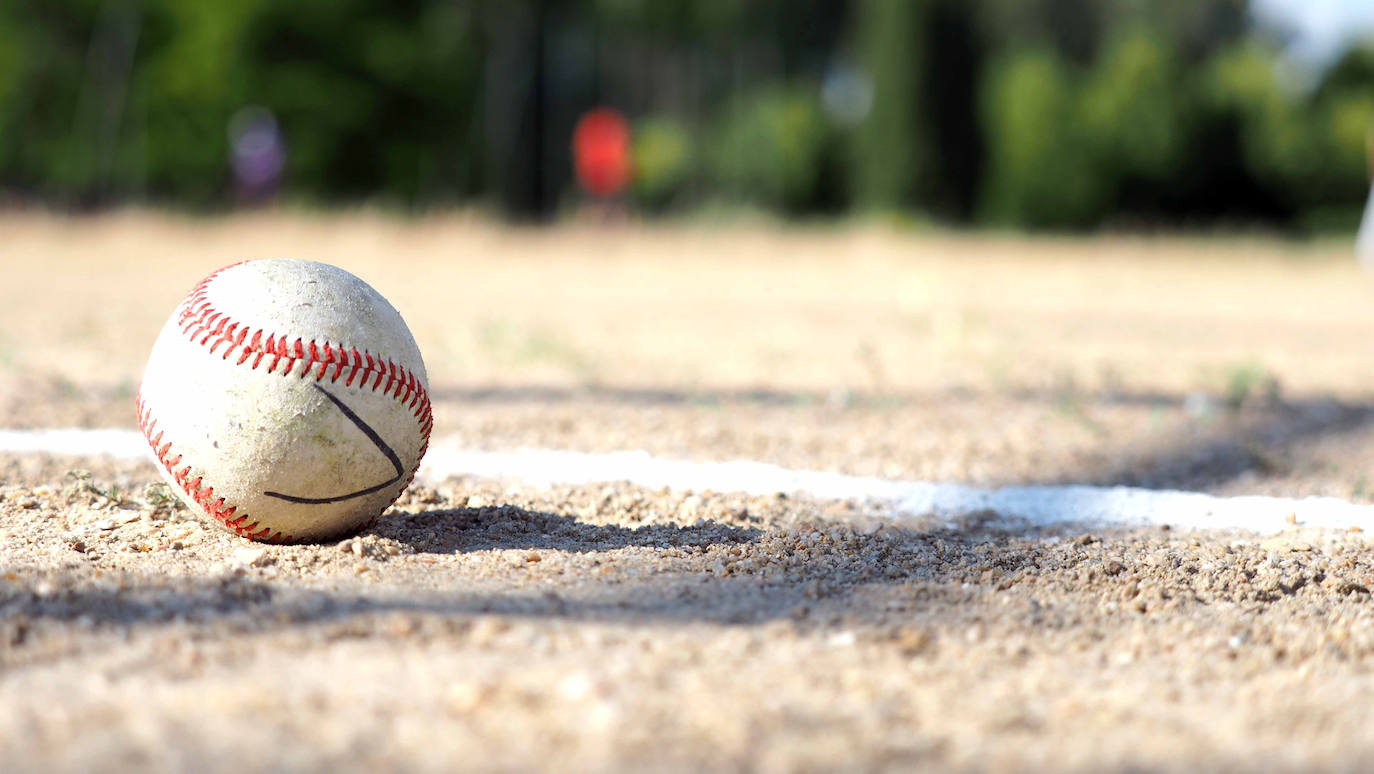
199, 319
202, 495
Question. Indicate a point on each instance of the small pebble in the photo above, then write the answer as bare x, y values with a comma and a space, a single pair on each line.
844, 639
253, 556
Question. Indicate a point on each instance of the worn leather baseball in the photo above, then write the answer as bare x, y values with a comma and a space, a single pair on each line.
286, 400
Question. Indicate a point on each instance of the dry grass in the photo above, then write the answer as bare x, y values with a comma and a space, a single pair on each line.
812, 309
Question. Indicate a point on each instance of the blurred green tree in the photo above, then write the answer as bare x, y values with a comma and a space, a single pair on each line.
63, 69
1024, 113
766, 148
1041, 170
374, 96
194, 72
1344, 124
1130, 110
664, 158
1279, 147
887, 146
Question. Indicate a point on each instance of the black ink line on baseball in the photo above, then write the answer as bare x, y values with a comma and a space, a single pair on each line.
371, 436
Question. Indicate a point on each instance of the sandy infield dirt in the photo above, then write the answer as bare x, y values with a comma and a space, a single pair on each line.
490, 625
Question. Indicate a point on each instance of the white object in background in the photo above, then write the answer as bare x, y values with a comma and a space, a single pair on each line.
286, 400
1364, 240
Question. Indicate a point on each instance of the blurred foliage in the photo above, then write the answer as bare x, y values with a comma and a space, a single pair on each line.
663, 161
766, 149
1129, 110
1041, 165
888, 141
1055, 114
377, 94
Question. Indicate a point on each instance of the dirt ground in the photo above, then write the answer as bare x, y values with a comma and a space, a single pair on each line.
487, 625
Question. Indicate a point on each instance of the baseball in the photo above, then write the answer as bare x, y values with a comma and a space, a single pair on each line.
286, 400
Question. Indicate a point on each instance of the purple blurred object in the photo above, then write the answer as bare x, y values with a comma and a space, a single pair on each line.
258, 154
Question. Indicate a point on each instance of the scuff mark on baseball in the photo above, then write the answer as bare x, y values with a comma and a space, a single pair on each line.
286, 400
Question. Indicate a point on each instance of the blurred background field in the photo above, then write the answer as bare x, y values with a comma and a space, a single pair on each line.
816, 310
1225, 364
1049, 114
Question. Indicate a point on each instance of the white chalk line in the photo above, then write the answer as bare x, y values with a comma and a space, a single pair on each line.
1029, 505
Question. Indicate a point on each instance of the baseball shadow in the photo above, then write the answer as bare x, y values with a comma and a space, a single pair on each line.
894, 573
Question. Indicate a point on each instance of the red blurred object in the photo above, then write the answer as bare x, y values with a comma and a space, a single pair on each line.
601, 152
